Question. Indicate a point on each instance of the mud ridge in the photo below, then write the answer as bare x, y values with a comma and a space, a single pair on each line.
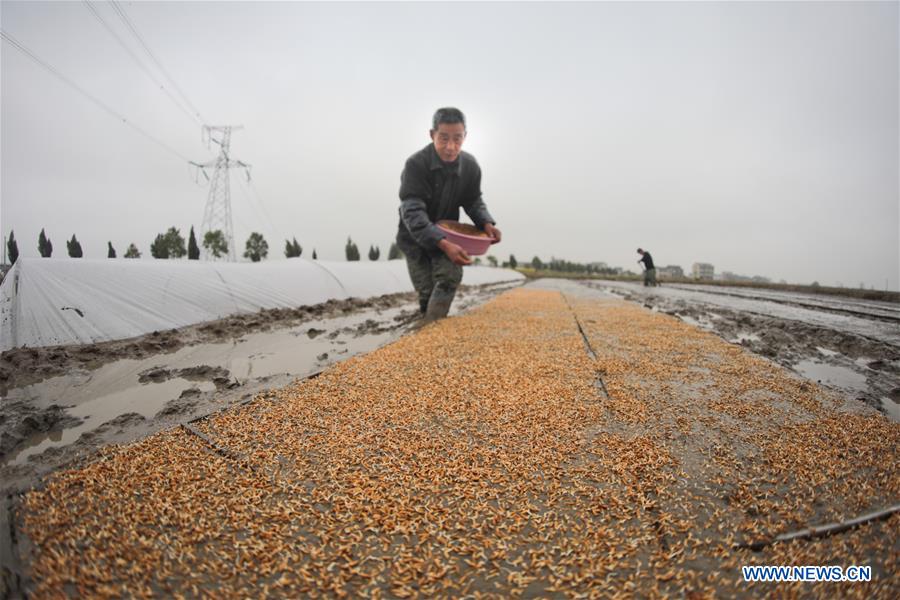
22, 421
23, 366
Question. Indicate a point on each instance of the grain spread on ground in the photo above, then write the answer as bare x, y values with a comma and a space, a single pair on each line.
480, 457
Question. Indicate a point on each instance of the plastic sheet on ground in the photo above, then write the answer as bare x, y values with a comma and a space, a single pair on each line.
48, 302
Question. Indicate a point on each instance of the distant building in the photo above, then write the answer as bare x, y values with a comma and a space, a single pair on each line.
703, 271
670, 272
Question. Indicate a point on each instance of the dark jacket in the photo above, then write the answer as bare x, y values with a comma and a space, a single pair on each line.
431, 190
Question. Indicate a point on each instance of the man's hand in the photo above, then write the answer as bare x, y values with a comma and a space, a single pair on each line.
454, 252
493, 232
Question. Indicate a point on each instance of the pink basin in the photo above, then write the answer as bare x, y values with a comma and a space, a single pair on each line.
474, 245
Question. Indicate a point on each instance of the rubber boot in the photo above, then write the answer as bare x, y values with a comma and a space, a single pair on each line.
439, 303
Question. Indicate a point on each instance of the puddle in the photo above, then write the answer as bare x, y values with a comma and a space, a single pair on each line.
698, 322
297, 351
143, 399
745, 337
891, 408
116, 389
832, 375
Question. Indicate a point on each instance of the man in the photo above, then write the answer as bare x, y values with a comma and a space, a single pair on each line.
436, 181
649, 270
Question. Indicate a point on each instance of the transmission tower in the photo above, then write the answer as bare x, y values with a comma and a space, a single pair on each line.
217, 214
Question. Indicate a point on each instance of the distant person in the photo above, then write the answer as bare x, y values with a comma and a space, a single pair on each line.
649, 269
436, 181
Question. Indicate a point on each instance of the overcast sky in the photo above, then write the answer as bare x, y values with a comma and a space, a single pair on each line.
759, 137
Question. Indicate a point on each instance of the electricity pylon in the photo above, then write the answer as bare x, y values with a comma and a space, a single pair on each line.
217, 214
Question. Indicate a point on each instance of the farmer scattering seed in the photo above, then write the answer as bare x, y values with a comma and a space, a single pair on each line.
481, 458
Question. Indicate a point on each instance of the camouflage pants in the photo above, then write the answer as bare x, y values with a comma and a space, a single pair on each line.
432, 273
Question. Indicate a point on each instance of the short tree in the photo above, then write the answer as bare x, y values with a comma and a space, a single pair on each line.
132, 252
537, 264
159, 248
394, 252
215, 244
257, 247
12, 248
175, 243
374, 252
314, 257
292, 249
74, 247
110, 251
493, 260
513, 263
193, 248
45, 247
351, 250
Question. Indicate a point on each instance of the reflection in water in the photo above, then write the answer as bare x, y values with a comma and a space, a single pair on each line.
99, 396
143, 399
891, 408
834, 375
745, 337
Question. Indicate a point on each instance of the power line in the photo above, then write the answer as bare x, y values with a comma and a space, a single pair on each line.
255, 203
140, 64
87, 95
251, 185
121, 12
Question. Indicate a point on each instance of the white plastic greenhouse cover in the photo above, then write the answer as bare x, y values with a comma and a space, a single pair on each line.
48, 302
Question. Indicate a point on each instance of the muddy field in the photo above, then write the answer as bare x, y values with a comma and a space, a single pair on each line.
60, 404
846, 344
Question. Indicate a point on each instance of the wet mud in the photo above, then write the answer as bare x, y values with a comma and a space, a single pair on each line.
23, 366
30, 420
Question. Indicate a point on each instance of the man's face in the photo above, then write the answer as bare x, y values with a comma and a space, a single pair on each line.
448, 140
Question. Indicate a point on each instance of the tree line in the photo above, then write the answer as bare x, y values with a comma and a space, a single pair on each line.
565, 266
554, 264
172, 244
351, 251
